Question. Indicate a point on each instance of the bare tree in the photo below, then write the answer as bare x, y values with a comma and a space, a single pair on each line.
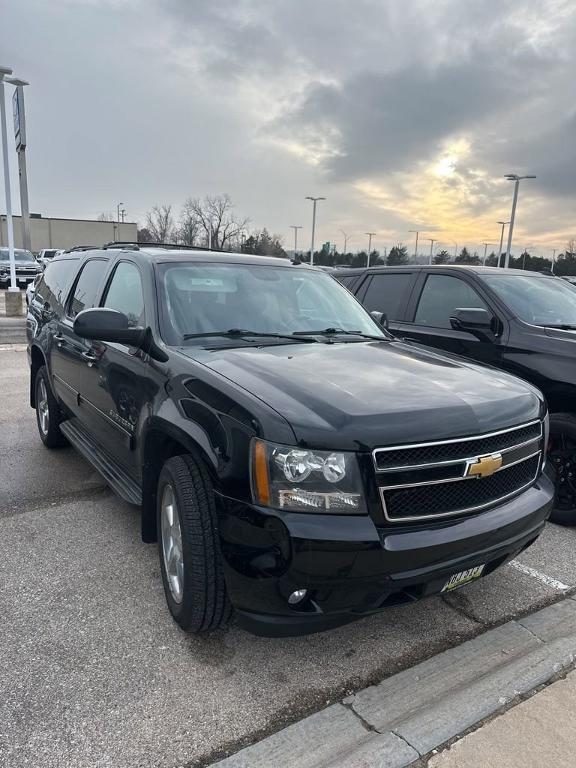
216, 219
160, 223
189, 226
105, 216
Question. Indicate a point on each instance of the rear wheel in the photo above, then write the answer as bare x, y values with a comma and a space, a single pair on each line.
48, 413
189, 550
562, 456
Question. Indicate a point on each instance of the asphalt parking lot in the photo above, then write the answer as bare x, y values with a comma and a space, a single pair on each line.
93, 671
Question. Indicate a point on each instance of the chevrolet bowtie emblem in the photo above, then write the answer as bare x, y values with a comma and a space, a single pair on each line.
483, 466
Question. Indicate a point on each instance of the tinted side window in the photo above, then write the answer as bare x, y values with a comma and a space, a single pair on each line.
440, 296
53, 285
386, 293
87, 285
125, 293
348, 281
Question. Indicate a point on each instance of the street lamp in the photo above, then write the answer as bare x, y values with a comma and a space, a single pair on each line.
345, 241
431, 247
503, 223
370, 236
4, 71
295, 227
485, 249
415, 232
314, 201
516, 179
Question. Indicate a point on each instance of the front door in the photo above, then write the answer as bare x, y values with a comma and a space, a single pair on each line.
440, 296
71, 356
118, 381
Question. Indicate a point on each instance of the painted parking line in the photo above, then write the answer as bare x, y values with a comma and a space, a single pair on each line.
542, 577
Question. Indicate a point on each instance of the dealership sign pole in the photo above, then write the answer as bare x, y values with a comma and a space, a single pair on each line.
9, 223
20, 136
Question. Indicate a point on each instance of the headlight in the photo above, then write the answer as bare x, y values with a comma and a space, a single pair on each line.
291, 478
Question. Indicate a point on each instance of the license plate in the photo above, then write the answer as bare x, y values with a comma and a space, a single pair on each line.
463, 577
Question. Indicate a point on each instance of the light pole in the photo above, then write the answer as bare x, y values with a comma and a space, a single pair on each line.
431, 247
516, 179
118, 211
553, 259
345, 241
485, 249
9, 222
295, 227
314, 201
503, 223
415, 232
524, 252
123, 214
370, 236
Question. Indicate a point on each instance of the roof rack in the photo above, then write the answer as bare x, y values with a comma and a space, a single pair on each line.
81, 248
129, 245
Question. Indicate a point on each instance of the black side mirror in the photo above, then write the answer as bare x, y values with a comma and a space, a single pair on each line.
381, 318
476, 321
107, 325
102, 324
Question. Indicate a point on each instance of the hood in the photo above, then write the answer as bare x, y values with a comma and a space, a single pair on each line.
357, 396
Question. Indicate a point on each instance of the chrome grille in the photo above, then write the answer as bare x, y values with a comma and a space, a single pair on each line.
452, 477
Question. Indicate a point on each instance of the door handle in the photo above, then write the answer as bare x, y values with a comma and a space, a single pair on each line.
90, 357
58, 338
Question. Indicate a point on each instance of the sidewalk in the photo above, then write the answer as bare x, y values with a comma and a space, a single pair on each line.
408, 717
536, 733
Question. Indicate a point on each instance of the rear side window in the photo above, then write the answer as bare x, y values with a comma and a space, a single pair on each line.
125, 293
441, 295
86, 288
54, 283
387, 292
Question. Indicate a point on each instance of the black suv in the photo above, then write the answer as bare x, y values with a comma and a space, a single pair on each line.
293, 460
522, 322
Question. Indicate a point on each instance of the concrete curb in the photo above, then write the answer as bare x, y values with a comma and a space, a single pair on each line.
394, 723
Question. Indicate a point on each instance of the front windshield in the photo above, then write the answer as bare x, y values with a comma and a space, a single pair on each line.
204, 298
537, 300
19, 255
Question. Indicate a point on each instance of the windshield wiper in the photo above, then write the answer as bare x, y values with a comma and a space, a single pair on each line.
239, 333
341, 331
561, 326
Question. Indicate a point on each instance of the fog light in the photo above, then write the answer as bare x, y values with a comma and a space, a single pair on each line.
297, 596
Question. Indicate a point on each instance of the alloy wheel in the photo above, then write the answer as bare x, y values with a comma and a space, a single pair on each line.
172, 543
43, 409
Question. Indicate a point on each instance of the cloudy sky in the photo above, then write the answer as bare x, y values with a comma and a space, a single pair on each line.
404, 114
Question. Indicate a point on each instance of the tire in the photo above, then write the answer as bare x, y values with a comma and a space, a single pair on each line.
200, 602
48, 413
562, 456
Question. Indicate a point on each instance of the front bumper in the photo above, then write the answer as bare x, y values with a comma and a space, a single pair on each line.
353, 568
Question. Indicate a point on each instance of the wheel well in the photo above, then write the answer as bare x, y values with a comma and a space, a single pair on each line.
36, 362
158, 448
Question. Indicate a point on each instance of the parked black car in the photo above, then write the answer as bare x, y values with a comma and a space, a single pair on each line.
26, 267
293, 460
522, 322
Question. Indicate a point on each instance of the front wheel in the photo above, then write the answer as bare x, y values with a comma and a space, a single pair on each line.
189, 549
562, 456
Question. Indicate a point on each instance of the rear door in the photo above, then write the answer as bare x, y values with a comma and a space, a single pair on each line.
436, 296
70, 354
387, 292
